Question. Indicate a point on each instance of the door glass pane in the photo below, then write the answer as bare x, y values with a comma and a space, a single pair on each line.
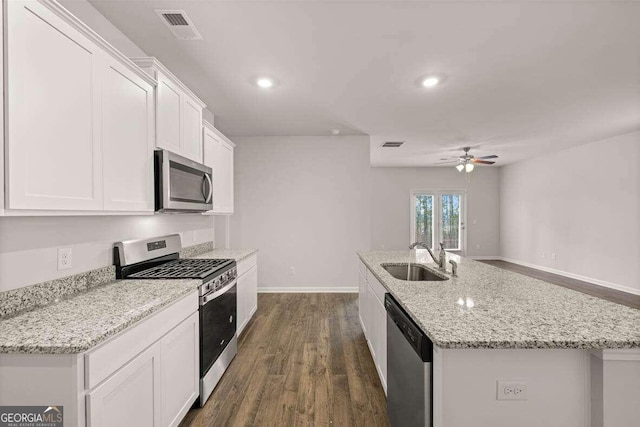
451, 232
424, 219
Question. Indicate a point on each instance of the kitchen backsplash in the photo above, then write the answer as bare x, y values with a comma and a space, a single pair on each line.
25, 298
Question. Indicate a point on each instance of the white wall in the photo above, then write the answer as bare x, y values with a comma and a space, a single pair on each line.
583, 204
304, 202
28, 246
312, 202
390, 206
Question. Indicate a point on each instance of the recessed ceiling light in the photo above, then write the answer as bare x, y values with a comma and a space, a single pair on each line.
265, 82
335, 132
430, 81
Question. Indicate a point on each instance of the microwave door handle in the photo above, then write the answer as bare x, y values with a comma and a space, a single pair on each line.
208, 178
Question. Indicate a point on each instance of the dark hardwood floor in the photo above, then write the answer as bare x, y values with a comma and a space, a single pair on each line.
613, 295
303, 360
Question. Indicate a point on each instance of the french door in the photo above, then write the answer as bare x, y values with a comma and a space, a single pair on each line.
439, 216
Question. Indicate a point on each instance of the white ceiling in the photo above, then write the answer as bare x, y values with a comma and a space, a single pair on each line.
523, 78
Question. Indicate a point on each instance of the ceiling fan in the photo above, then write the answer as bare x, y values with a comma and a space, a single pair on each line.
467, 162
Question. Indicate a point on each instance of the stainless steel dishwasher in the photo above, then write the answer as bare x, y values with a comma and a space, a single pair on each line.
409, 369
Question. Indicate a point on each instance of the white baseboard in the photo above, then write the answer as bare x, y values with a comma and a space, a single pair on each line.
598, 282
485, 257
307, 289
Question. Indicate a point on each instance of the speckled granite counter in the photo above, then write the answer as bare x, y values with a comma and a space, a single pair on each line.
88, 318
487, 307
235, 254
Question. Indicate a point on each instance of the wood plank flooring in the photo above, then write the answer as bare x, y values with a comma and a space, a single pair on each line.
613, 295
302, 361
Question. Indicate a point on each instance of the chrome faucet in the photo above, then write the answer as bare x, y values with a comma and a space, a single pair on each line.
454, 267
438, 260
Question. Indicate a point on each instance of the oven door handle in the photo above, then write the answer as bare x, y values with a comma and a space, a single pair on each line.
213, 295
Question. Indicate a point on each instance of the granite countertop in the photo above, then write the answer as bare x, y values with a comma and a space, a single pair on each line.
87, 318
488, 307
235, 254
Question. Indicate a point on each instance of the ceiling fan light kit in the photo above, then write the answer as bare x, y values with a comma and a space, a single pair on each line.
467, 162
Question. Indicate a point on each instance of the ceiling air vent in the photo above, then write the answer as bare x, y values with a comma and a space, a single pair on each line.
393, 144
179, 24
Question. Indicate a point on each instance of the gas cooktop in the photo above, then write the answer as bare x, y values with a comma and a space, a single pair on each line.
183, 269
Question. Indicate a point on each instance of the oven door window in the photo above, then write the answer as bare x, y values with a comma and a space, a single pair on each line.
187, 184
218, 326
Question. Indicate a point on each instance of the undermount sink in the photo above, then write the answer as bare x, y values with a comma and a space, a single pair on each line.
415, 273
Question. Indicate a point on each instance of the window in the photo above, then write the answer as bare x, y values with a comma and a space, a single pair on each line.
438, 216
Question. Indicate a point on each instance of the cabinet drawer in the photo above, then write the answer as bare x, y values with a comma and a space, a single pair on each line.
117, 351
376, 286
247, 264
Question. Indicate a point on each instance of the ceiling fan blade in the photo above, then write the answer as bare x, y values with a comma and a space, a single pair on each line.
493, 156
482, 162
449, 162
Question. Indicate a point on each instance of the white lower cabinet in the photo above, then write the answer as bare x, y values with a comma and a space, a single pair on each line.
130, 397
155, 388
247, 291
373, 318
146, 375
180, 370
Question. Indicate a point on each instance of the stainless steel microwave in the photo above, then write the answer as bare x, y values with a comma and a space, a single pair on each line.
181, 185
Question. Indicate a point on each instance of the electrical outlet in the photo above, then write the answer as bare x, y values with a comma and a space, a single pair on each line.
65, 259
544, 255
511, 390
553, 256
292, 271
478, 246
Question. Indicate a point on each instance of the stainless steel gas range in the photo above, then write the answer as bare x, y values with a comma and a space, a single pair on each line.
158, 258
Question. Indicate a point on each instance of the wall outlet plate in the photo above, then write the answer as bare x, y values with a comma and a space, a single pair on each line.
65, 258
511, 390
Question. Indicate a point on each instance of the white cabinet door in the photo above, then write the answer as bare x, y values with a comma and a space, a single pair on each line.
180, 370
370, 321
381, 341
247, 297
130, 397
252, 282
242, 316
53, 73
169, 114
225, 179
128, 140
362, 301
191, 142
218, 155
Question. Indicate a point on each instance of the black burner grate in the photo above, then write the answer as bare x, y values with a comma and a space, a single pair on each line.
182, 269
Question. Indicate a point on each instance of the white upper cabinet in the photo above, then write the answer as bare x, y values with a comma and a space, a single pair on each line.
168, 115
53, 109
192, 130
218, 155
79, 116
179, 112
128, 140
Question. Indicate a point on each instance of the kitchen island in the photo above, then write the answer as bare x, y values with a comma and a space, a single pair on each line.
579, 355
